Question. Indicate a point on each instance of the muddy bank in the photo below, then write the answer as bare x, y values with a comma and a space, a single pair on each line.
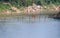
33, 9
55, 16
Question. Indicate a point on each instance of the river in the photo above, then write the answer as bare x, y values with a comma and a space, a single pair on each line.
29, 27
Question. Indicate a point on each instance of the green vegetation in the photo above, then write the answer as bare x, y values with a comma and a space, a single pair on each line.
6, 4
29, 2
4, 7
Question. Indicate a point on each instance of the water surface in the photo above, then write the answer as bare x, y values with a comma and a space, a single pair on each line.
29, 27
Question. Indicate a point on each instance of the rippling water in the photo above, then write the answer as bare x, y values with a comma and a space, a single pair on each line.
29, 27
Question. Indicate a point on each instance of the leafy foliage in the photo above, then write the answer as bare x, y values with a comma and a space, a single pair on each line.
29, 2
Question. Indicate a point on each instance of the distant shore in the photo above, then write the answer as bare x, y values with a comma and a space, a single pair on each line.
33, 9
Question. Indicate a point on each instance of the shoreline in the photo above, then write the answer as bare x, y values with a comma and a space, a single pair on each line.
33, 9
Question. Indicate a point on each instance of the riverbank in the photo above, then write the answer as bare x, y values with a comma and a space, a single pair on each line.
7, 9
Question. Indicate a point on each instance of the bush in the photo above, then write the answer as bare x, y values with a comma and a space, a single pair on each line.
28, 2
4, 7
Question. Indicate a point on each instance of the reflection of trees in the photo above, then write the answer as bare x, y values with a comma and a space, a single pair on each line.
29, 19
2, 24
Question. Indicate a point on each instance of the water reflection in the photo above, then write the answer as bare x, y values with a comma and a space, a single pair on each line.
29, 27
